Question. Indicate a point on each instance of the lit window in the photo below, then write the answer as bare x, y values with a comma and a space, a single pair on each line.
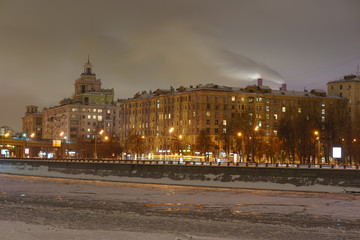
323, 111
89, 116
74, 109
267, 108
275, 116
224, 122
275, 132
323, 118
99, 118
233, 98
94, 110
94, 116
108, 111
208, 114
99, 110
299, 110
283, 109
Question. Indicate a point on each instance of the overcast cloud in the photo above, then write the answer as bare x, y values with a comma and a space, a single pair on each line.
140, 45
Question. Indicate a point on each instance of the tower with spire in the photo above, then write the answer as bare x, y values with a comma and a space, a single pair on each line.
88, 88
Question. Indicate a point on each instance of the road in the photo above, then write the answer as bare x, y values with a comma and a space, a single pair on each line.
50, 208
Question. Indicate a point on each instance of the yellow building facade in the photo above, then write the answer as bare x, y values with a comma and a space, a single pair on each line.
348, 87
168, 115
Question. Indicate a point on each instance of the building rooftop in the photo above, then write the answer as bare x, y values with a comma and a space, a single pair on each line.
255, 89
347, 78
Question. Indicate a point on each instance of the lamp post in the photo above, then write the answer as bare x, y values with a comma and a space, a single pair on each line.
352, 152
62, 146
171, 130
253, 143
240, 135
2, 141
317, 147
143, 137
180, 145
95, 139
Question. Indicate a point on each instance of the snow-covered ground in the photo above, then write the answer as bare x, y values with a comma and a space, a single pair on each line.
50, 208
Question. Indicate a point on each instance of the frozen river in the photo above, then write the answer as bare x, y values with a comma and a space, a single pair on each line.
50, 208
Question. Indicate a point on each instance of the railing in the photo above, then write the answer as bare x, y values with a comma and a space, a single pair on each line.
190, 163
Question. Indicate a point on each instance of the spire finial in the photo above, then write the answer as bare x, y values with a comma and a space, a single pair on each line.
88, 58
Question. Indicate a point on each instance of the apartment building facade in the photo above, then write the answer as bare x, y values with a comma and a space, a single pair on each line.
90, 109
169, 115
32, 122
348, 87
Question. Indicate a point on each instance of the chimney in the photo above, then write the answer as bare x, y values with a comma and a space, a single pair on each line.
283, 87
260, 82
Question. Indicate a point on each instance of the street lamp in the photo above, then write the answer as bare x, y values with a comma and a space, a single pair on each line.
95, 139
171, 130
143, 137
240, 135
62, 146
317, 146
2, 140
253, 142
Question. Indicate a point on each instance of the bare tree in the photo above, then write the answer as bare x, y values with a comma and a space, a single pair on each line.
84, 148
204, 143
135, 144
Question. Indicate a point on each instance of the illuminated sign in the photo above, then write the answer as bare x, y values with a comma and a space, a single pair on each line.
56, 143
336, 152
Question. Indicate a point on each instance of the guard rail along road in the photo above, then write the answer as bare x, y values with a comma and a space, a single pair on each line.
265, 176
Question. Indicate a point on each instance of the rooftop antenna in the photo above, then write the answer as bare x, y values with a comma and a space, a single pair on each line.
358, 71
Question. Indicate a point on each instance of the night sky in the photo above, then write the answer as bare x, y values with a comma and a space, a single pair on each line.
138, 45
